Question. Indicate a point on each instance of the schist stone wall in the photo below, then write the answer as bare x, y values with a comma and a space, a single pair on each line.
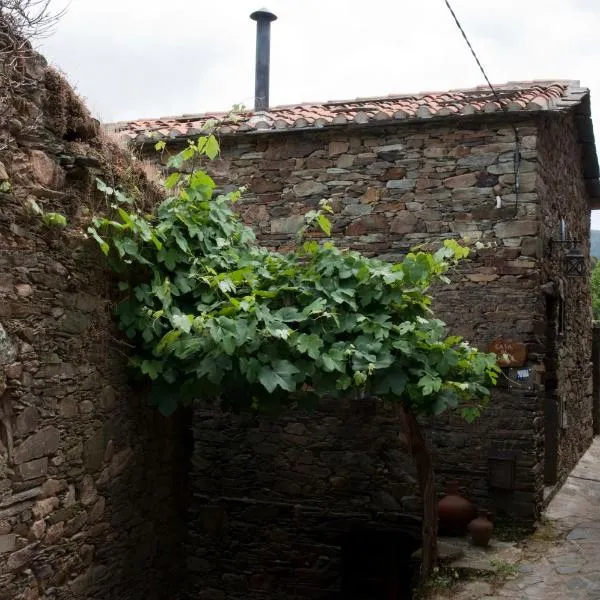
274, 500
91, 492
393, 188
568, 337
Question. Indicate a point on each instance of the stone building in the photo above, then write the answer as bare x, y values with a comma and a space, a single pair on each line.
292, 505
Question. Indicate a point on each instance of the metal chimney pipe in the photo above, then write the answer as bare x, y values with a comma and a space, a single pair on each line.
263, 18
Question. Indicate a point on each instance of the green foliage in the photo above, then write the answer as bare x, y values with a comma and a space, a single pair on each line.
504, 569
51, 219
213, 315
595, 284
440, 580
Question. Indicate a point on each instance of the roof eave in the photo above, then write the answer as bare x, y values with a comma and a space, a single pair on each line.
225, 132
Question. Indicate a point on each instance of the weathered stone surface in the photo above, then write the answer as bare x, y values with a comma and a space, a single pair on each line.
461, 181
42, 168
38, 529
345, 161
8, 542
74, 322
33, 468
27, 421
24, 290
68, 407
70, 497
43, 442
479, 161
366, 224
54, 533
288, 225
371, 195
260, 185
390, 151
336, 148
43, 508
20, 497
394, 173
404, 223
21, 557
401, 184
14, 371
97, 511
309, 188
93, 450
75, 524
88, 493
86, 407
62, 514
295, 428
511, 229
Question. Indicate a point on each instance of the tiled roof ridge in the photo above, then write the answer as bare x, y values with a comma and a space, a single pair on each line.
515, 96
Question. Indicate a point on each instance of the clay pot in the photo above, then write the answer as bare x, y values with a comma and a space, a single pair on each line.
481, 529
455, 512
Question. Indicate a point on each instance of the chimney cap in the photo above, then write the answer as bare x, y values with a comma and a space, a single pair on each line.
263, 14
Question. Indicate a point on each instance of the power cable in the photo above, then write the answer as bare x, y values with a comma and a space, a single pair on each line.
517, 156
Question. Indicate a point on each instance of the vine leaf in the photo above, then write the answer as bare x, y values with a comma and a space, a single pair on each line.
310, 344
280, 373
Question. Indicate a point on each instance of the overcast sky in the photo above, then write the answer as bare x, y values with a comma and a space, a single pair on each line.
152, 58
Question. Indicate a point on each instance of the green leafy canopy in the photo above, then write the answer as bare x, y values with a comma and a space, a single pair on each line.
213, 315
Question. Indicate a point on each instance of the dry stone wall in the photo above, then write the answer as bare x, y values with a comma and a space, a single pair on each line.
92, 490
273, 498
563, 196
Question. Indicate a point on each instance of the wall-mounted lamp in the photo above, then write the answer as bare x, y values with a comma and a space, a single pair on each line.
574, 263
573, 258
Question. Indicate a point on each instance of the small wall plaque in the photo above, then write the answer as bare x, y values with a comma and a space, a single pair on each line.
510, 353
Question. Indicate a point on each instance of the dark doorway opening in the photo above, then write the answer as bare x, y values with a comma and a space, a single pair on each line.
378, 565
554, 320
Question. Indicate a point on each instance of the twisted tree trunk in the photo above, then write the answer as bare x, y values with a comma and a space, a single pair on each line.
418, 448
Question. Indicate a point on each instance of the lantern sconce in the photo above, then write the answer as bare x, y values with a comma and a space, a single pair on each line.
573, 258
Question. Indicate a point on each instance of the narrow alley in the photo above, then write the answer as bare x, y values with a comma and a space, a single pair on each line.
563, 563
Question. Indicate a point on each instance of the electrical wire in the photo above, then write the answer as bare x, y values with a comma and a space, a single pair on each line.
517, 156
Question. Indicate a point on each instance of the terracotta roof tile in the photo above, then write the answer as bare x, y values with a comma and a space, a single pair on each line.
514, 96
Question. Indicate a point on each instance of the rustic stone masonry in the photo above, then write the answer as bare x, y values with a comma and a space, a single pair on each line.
92, 485
562, 195
394, 187
273, 499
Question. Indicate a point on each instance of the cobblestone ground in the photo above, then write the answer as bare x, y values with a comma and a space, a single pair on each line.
562, 562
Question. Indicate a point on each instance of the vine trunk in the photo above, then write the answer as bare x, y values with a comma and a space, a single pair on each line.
419, 450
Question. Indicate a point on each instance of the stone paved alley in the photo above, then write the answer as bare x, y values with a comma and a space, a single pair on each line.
562, 560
